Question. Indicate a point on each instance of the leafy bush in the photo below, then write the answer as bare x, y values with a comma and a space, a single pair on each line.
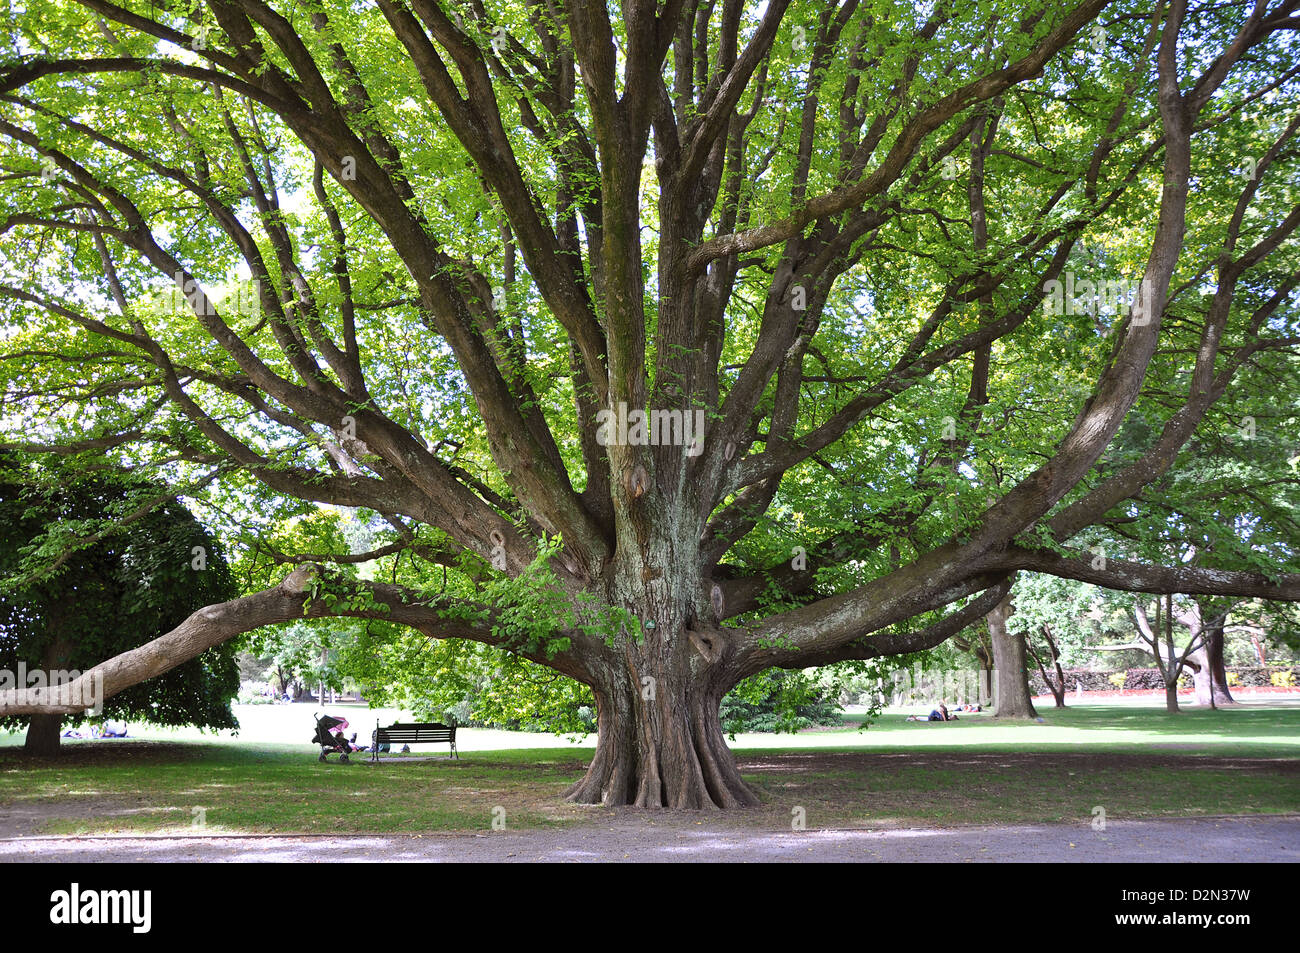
778, 701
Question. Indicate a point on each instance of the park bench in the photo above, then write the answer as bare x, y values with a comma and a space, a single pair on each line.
413, 733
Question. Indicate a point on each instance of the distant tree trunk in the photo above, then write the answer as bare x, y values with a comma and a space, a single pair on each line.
1259, 649
43, 732
1058, 688
1168, 661
1210, 675
1056, 685
1010, 665
43, 735
1217, 669
1171, 697
1200, 667
1171, 673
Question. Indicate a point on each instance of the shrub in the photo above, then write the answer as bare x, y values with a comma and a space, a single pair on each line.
778, 701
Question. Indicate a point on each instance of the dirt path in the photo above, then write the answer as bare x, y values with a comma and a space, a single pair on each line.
631, 837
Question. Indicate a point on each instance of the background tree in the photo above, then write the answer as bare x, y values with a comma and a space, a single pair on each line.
1056, 618
1209, 668
308, 653
129, 564
1262, 633
1157, 633
420, 249
1010, 664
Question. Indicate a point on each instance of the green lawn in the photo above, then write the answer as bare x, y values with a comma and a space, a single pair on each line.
151, 786
1132, 761
1250, 730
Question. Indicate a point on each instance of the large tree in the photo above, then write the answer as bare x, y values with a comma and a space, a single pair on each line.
820, 235
70, 598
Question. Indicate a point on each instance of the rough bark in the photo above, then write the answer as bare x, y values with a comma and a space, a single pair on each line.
659, 734
660, 744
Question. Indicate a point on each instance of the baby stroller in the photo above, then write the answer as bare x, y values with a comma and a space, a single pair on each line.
329, 735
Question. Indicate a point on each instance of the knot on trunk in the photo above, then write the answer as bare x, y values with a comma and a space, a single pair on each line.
709, 644
300, 580
637, 482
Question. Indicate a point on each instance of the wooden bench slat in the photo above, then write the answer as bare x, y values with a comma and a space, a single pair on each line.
411, 731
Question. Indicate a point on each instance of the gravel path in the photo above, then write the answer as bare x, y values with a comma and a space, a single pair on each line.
632, 837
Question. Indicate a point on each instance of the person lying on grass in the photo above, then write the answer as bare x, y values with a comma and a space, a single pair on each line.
939, 714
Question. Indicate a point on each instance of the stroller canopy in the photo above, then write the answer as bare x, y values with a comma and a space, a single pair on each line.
329, 723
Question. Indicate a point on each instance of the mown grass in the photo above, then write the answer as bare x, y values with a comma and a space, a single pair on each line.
946, 788
244, 788
1244, 731
1133, 762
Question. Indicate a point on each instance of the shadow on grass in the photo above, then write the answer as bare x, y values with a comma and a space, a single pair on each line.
1130, 760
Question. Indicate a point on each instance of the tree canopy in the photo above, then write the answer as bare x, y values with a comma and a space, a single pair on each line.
666, 345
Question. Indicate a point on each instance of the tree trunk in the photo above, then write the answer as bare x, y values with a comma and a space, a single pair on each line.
43, 735
1200, 667
1058, 690
1218, 672
1057, 684
1171, 697
44, 731
659, 739
1011, 674
986, 677
1259, 650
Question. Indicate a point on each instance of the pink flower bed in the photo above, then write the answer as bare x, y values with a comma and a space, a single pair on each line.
1160, 692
